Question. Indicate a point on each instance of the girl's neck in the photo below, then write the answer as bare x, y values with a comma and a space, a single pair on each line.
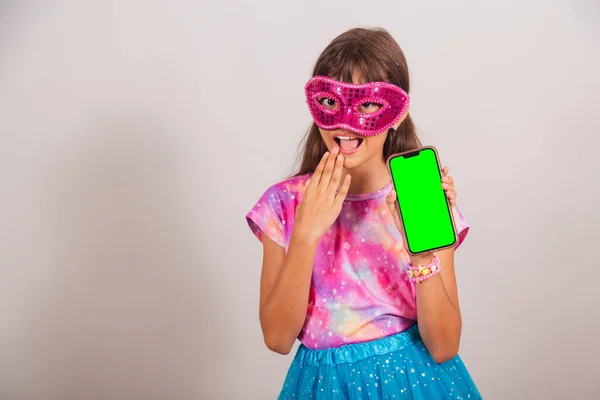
369, 177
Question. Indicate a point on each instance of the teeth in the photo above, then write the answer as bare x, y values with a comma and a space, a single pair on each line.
346, 137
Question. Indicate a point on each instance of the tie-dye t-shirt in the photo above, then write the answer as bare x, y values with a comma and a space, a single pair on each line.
359, 289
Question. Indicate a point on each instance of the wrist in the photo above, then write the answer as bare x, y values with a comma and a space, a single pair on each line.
422, 258
423, 267
304, 237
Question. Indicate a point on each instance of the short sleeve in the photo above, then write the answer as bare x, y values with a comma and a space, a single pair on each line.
461, 224
266, 217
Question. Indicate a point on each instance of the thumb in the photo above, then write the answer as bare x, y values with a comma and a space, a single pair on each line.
391, 198
391, 202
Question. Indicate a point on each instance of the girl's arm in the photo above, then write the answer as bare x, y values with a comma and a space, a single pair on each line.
438, 311
284, 290
285, 279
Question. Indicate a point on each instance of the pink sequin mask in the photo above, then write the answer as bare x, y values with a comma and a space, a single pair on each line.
366, 109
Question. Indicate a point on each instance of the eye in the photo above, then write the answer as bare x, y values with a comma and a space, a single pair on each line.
369, 107
327, 102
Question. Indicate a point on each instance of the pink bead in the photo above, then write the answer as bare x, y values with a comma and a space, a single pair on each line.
435, 262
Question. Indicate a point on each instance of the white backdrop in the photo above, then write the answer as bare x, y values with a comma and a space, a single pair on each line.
136, 134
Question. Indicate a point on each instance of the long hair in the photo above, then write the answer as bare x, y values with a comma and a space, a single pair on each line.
376, 56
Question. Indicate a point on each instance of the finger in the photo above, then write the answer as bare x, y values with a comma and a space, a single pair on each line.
316, 178
341, 194
306, 185
391, 197
452, 202
328, 170
334, 183
445, 171
391, 202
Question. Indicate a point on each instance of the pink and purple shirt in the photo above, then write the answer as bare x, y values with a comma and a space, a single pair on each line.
359, 289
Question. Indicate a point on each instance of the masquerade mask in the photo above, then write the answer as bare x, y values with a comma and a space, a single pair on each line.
367, 109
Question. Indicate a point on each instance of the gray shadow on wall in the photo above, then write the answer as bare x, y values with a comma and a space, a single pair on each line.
124, 312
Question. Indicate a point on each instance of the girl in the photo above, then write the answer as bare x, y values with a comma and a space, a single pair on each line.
334, 271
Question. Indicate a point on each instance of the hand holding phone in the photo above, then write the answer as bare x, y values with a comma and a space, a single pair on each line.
425, 213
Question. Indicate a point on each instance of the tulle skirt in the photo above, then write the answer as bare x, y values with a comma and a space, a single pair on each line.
394, 367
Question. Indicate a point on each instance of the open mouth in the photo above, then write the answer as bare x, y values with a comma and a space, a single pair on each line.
348, 144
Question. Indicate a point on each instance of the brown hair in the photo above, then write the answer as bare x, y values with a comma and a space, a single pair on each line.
377, 57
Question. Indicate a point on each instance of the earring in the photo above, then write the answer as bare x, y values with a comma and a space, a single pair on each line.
395, 128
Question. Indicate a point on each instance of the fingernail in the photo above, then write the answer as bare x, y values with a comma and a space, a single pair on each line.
340, 157
335, 150
326, 154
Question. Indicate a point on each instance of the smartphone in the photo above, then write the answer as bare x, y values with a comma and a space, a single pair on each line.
425, 211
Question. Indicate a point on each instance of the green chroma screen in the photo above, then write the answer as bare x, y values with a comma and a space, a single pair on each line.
422, 201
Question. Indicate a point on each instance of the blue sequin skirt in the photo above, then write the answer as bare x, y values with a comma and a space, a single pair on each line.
394, 367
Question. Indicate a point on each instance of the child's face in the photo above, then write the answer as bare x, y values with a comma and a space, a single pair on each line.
357, 149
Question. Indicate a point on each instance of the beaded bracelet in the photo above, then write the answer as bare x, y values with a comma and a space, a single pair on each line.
422, 272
